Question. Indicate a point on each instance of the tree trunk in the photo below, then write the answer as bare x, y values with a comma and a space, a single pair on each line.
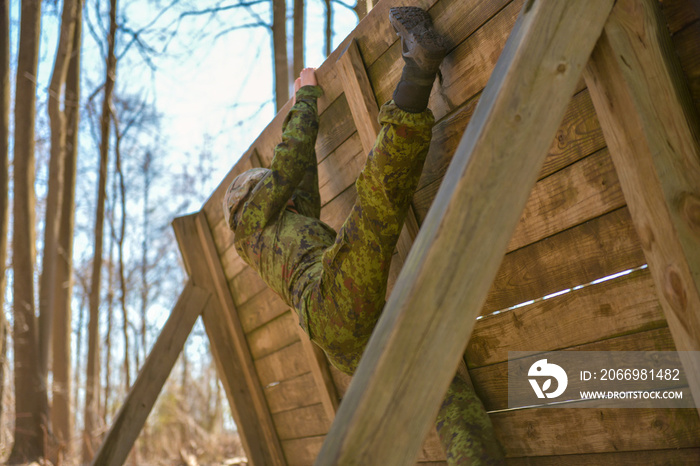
279, 47
63, 289
110, 311
329, 27
298, 37
93, 376
145, 244
78, 351
4, 182
120, 252
57, 121
362, 8
31, 402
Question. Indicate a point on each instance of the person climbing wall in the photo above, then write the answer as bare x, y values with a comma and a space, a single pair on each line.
336, 282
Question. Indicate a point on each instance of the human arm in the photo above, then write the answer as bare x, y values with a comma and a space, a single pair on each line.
293, 165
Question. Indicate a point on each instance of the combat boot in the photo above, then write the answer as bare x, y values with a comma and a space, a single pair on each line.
423, 49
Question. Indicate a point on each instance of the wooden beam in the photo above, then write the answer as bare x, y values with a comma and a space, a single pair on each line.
649, 123
425, 326
358, 92
322, 375
138, 404
228, 344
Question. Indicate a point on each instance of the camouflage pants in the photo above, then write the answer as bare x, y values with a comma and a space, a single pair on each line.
344, 306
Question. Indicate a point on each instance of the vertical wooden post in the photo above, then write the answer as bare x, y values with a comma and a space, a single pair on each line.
413, 352
138, 404
651, 126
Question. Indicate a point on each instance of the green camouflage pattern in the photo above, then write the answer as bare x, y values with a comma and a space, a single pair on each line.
337, 282
465, 429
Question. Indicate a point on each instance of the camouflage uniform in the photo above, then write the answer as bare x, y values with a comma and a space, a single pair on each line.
337, 282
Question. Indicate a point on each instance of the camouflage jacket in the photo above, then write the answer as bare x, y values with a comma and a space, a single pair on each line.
285, 247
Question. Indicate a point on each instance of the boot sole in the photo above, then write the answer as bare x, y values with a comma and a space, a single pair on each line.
418, 38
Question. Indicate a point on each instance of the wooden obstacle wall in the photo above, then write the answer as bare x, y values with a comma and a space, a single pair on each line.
575, 229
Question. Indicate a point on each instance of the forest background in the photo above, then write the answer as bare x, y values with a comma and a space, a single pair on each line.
115, 117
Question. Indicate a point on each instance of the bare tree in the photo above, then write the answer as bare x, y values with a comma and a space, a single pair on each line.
109, 306
279, 51
298, 36
362, 8
31, 401
120, 252
61, 347
4, 179
329, 27
57, 120
147, 171
91, 389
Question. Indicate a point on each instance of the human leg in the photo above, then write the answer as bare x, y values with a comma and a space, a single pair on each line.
348, 300
465, 429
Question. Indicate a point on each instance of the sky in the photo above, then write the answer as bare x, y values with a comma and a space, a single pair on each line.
220, 89
210, 90
213, 92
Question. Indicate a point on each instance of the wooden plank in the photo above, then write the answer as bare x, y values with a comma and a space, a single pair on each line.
293, 393
339, 171
398, 386
228, 345
573, 195
491, 381
338, 209
595, 249
286, 363
223, 236
626, 458
132, 415
358, 92
245, 285
431, 449
539, 432
302, 452
320, 369
260, 309
652, 130
597, 312
274, 335
341, 380
689, 53
680, 13
578, 136
232, 263
303, 422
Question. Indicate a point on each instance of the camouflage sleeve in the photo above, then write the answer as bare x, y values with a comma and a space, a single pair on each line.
307, 198
294, 160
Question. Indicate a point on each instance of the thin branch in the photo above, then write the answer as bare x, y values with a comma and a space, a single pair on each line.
137, 34
341, 3
242, 26
214, 10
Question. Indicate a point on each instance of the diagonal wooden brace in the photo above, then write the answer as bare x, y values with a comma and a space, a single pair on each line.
410, 359
651, 128
132, 415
